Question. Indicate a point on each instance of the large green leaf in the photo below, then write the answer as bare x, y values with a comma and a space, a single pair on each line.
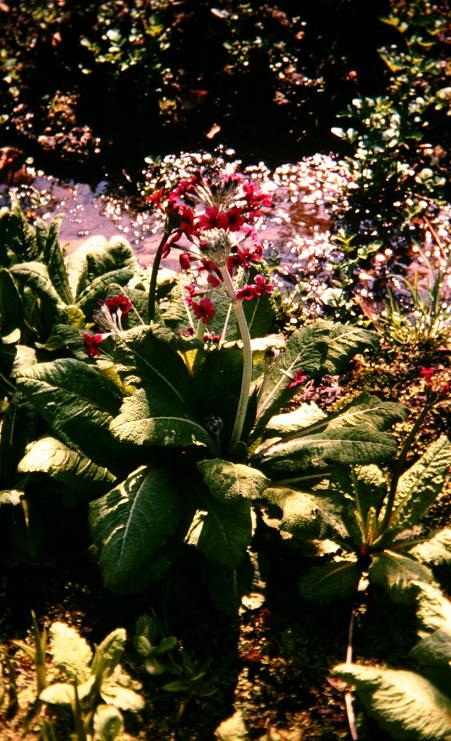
104, 258
78, 473
419, 485
108, 722
223, 532
291, 423
157, 417
305, 351
434, 550
333, 581
147, 357
365, 410
78, 403
227, 481
346, 445
131, 523
109, 652
433, 609
343, 342
403, 703
17, 236
36, 276
98, 289
433, 654
395, 572
53, 257
308, 515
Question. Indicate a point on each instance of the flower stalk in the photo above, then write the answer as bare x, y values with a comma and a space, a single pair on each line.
154, 273
246, 377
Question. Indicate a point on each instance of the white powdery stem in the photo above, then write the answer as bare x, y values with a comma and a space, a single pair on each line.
246, 377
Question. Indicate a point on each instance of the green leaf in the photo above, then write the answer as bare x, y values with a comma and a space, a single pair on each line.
79, 474
11, 307
104, 258
98, 289
345, 445
433, 609
119, 690
343, 342
59, 693
419, 486
147, 357
78, 404
223, 532
366, 410
217, 382
293, 422
396, 572
70, 651
131, 523
53, 258
157, 417
305, 351
108, 723
109, 652
435, 550
308, 515
330, 582
403, 703
228, 481
36, 276
433, 654
17, 236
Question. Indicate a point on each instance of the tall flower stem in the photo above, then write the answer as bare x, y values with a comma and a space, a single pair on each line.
246, 377
154, 273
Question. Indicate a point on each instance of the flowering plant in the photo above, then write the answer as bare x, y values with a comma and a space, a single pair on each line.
167, 414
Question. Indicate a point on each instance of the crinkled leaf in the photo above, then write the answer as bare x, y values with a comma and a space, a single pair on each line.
292, 422
53, 257
78, 473
366, 410
108, 723
147, 358
395, 572
217, 383
17, 236
104, 259
304, 351
110, 651
70, 651
433, 654
119, 690
419, 485
343, 342
433, 609
36, 276
330, 582
403, 703
157, 417
98, 289
77, 403
131, 523
308, 515
223, 532
227, 481
434, 550
345, 445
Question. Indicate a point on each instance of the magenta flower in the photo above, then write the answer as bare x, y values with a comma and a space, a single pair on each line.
203, 309
119, 302
213, 218
298, 378
92, 342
